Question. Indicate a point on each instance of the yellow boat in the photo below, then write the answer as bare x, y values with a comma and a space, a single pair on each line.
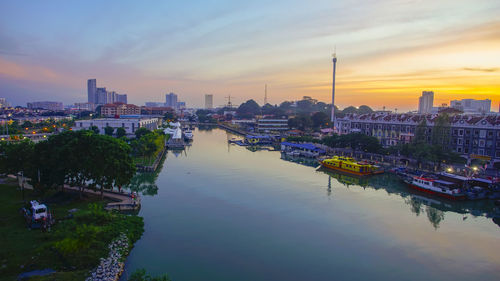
351, 166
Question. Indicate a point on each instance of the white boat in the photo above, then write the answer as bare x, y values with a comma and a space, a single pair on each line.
188, 134
169, 131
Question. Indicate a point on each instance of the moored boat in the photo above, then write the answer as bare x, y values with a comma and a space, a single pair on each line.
351, 166
188, 134
430, 184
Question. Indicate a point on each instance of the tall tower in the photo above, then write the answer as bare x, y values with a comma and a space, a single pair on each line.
333, 88
91, 91
265, 95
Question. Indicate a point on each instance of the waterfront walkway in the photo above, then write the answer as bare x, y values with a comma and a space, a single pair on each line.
121, 201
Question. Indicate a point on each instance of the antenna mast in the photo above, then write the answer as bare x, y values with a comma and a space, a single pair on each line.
265, 95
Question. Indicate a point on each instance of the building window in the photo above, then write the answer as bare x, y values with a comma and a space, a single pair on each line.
461, 132
481, 151
482, 133
489, 144
81, 124
481, 143
459, 141
498, 154
459, 149
466, 150
490, 134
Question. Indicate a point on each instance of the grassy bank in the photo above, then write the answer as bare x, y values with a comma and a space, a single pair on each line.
158, 142
71, 248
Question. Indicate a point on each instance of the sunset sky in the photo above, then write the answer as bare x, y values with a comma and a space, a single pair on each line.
388, 51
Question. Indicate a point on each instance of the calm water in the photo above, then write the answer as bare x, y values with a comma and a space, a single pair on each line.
221, 212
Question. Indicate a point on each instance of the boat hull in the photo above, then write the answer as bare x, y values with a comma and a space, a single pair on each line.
349, 171
444, 195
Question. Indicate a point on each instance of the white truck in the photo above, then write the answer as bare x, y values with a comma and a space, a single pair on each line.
37, 215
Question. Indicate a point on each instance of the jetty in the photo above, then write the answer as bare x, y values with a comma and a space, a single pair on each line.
176, 141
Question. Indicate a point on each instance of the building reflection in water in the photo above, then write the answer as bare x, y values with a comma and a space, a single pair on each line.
435, 208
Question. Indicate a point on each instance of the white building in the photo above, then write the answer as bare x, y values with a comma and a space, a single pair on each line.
129, 124
209, 101
272, 125
425, 102
472, 105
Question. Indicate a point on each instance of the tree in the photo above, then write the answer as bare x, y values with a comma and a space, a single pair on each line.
248, 109
27, 124
323, 107
141, 275
421, 132
16, 158
94, 129
141, 132
441, 131
301, 122
109, 130
286, 105
120, 132
305, 105
350, 110
319, 119
100, 161
364, 109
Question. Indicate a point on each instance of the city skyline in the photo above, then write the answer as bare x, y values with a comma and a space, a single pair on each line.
389, 51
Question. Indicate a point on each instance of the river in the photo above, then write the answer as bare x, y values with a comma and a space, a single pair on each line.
222, 212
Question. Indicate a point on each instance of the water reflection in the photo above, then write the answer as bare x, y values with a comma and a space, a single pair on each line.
145, 183
434, 207
310, 162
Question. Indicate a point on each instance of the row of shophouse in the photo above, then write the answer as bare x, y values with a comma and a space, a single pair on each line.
469, 135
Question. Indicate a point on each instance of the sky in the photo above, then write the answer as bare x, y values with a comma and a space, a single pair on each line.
388, 51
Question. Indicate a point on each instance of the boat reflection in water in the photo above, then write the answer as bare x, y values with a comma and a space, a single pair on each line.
310, 162
420, 203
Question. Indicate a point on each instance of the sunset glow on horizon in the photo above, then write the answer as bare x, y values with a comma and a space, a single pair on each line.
388, 51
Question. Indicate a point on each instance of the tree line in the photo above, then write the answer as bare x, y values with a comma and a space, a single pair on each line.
83, 158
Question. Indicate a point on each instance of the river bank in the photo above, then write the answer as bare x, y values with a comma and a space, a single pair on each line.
74, 244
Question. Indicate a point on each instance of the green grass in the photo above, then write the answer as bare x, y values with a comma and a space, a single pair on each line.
73, 246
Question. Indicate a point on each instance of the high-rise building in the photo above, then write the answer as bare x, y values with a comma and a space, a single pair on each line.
101, 96
425, 102
3, 103
209, 101
91, 90
472, 105
171, 100
48, 105
121, 98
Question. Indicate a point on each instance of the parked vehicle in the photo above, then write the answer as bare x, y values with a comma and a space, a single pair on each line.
37, 215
